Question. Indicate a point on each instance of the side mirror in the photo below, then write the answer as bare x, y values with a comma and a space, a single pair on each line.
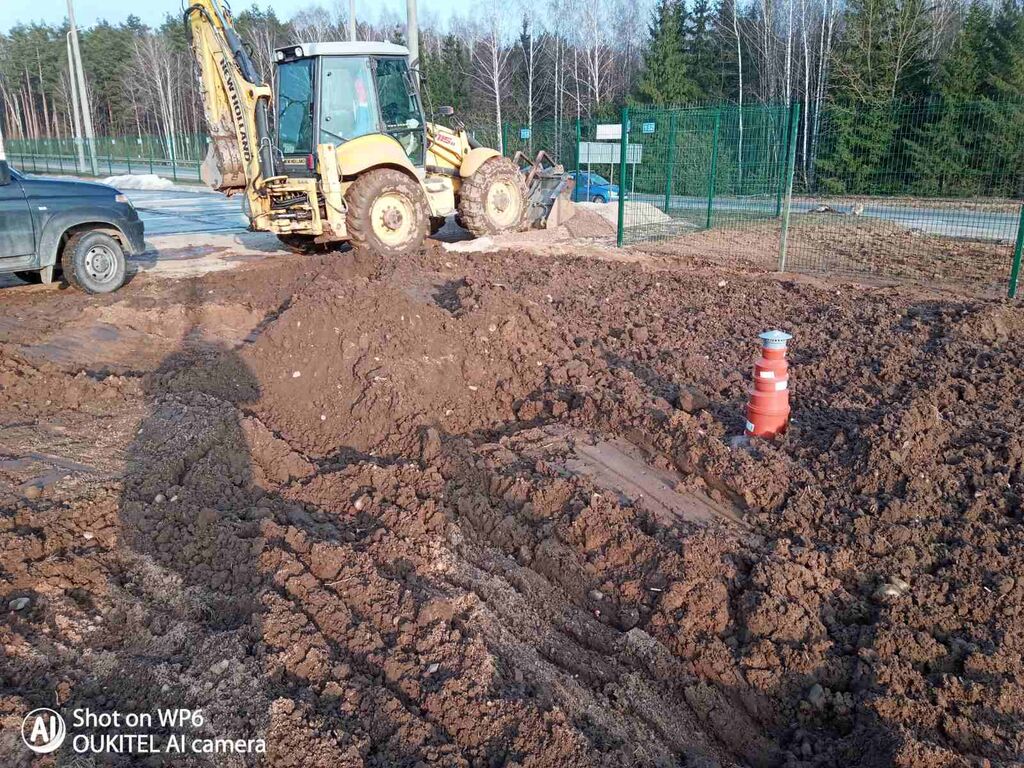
5, 173
446, 111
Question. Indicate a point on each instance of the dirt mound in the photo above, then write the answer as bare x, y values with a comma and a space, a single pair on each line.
362, 365
589, 223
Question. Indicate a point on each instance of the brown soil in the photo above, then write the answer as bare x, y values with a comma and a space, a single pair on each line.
435, 545
841, 245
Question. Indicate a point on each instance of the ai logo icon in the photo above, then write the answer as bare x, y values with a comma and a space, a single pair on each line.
43, 730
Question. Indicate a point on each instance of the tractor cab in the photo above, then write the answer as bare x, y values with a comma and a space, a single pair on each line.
331, 93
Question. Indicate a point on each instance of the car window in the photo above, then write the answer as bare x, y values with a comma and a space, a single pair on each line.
595, 179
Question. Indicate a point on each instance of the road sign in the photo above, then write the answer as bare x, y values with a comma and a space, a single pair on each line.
609, 132
598, 153
524, 133
648, 127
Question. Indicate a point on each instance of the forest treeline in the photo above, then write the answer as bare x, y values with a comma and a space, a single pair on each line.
896, 95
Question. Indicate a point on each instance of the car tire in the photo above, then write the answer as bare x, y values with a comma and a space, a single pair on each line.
93, 262
34, 276
598, 199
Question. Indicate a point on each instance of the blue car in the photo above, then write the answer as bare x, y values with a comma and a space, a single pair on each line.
590, 187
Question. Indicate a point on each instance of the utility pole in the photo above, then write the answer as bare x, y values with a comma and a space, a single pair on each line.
352, 20
82, 91
412, 36
75, 109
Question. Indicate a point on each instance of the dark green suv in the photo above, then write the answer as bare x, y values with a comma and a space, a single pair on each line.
49, 225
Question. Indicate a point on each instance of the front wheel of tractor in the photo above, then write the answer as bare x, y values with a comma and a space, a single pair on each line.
493, 199
387, 213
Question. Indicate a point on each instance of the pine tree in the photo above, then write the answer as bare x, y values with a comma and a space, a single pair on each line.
880, 64
700, 48
948, 153
1003, 102
725, 59
665, 79
444, 74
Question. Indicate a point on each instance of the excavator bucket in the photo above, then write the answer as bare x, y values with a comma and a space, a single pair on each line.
548, 191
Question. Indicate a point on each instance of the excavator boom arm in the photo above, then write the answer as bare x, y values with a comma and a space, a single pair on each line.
235, 102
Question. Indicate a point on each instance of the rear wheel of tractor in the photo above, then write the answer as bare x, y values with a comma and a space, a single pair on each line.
493, 199
93, 262
387, 213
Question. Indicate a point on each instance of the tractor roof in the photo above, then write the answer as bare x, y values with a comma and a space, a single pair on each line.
358, 48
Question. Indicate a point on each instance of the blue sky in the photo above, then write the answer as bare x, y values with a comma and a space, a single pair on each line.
88, 12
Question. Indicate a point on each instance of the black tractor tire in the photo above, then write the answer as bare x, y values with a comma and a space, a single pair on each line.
400, 228
473, 208
302, 244
93, 262
33, 276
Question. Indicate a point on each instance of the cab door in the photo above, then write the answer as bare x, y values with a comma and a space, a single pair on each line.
17, 233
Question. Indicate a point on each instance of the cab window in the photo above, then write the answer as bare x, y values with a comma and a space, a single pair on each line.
399, 106
348, 103
295, 107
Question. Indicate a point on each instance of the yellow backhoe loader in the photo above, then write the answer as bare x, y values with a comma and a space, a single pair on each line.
352, 157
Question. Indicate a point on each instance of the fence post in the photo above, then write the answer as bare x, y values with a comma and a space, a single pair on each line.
671, 160
623, 152
174, 161
504, 140
713, 176
579, 134
787, 200
150, 142
783, 158
1017, 248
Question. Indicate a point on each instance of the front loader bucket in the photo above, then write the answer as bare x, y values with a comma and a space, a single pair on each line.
548, 191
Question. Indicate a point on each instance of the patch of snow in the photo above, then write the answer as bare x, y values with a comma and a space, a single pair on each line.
138, 181
479, 245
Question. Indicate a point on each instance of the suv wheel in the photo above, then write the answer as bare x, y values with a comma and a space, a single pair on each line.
93, 262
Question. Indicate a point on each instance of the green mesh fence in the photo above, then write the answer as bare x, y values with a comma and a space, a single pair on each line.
688, 170
176, 157
923, 192
928, 192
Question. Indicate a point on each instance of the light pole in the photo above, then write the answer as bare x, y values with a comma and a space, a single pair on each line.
412, 37
75, 109
83, 93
